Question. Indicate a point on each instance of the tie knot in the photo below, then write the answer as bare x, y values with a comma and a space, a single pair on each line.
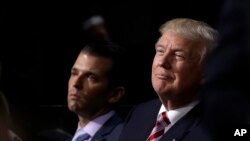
163, 119
159, 128
83, 137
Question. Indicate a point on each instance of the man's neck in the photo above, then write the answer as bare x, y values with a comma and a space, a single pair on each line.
86, 118
171, 104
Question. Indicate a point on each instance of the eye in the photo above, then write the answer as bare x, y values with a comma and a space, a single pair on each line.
179, 55
92, 77
160, 51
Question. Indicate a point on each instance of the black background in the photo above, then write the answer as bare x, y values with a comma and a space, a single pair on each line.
40, 42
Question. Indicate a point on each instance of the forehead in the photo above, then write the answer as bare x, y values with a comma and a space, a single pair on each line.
87, 61
174, 40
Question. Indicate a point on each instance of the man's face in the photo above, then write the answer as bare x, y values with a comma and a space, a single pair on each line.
176, 68
88, 86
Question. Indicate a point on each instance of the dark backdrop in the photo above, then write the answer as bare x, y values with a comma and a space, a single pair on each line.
40, 42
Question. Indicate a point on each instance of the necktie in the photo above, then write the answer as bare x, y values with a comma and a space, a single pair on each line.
158, 130
83, 137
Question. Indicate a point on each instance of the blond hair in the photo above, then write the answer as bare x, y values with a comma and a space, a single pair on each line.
193, 30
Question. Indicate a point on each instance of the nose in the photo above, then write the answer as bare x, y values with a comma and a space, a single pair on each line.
78, 83
165, 61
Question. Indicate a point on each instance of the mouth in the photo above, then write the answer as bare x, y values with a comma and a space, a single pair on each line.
74, 96
163, 77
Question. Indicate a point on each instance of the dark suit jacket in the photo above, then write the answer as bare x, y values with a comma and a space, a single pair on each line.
141, 121
110, 131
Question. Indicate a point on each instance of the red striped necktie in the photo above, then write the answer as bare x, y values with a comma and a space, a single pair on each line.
160, 125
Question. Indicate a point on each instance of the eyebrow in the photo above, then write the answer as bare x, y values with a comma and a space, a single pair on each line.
176, 48
75, 69
158, 45
179, 50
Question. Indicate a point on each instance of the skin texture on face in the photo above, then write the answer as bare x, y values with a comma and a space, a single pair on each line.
176, 72
88, 86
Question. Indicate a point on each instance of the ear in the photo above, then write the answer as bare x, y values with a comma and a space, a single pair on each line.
116, 95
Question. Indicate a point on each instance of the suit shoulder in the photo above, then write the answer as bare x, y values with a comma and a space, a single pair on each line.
149, 106
154, 102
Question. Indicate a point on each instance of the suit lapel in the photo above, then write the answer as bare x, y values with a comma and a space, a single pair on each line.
140, 121
107, 128
180, 129
148, 122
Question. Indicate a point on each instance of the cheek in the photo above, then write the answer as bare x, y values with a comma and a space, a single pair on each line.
153, 71
154, 66
158, 84
96, 91
95, 87
191, 76
155, 60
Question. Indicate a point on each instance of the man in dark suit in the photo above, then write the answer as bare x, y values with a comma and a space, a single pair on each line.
95, 87
177, 74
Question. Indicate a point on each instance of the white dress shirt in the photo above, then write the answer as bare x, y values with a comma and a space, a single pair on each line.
177, 114
93, 126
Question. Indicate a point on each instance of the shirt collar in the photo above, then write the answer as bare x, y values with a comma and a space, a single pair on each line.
93, 126
176, 114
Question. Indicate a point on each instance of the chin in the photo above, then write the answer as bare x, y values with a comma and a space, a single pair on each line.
72, 106
158, 87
